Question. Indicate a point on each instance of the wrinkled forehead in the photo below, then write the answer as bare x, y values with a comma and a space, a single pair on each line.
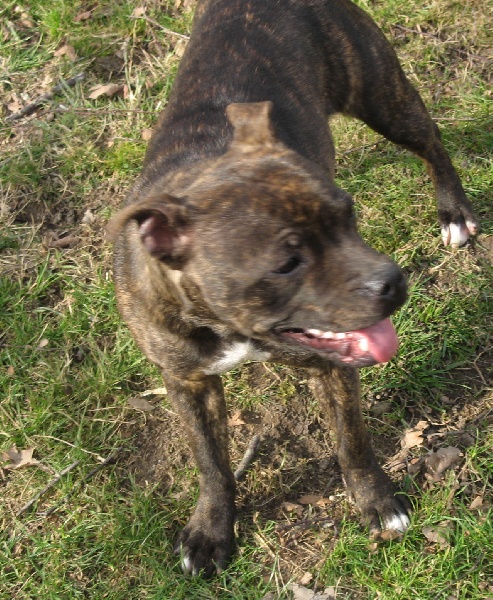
280, 191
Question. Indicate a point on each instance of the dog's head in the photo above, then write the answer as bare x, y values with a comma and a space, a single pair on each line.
270, 246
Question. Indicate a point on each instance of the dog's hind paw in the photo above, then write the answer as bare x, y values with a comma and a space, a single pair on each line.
457, 220
457, 234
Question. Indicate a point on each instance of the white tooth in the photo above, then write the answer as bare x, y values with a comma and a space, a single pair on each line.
327, 335
315, 332
340, 336
363, 344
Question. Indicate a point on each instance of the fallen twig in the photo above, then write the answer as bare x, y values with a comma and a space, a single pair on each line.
436, 37
306, 523
165, 29
52, 483
364, 147
110, 459
464, 120
248, 457
30, 108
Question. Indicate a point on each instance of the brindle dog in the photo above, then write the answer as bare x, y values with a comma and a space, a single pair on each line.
236, 244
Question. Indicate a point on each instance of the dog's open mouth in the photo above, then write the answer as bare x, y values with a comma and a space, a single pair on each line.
363, 347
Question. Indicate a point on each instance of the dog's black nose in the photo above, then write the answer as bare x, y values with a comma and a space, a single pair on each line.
388, 285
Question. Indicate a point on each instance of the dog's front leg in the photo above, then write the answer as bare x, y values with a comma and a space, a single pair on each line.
207, 541
382, 508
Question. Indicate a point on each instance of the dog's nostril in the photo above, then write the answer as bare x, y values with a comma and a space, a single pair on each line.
387, 289
387, 284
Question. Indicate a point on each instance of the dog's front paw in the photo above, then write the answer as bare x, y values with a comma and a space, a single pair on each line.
206, 545
389, 513
382, 506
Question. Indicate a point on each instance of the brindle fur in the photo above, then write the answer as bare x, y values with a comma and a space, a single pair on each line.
241, 155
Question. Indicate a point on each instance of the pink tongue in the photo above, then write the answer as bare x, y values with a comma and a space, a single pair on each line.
382, 340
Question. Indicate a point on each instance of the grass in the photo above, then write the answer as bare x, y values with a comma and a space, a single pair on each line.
68, 365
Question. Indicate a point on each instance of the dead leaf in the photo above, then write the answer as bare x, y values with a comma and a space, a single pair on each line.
162, 391
314, 499
236, 419
292, 507
83, 16
436, 463
300, 592
486, 587
438, 534
139, 11
89, 217
20, 458
108, 90
10, 371
26, 21
379, 408
415, 465
180, 48
14, 106
476, 503
68, 51
64, 242
387, 535
140, 404
414, 437
306, 578
146, 134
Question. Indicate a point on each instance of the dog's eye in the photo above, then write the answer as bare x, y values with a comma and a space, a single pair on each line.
289, 266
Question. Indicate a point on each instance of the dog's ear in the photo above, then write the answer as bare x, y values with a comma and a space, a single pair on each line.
164, 228
252, 124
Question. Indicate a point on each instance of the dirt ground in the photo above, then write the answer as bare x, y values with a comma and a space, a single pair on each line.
294, 479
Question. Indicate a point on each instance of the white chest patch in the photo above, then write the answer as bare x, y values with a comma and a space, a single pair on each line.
234, 355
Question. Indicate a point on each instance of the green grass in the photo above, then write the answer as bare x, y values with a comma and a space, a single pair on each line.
68, 365
461, 568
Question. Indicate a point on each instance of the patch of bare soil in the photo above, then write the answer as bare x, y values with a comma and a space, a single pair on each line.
294, 465
295, 479
289, 435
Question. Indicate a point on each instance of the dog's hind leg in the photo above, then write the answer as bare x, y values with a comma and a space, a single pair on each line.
391, 106
382, 507
378, 92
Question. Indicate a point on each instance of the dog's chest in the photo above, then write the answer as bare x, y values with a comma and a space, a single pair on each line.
235, 354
